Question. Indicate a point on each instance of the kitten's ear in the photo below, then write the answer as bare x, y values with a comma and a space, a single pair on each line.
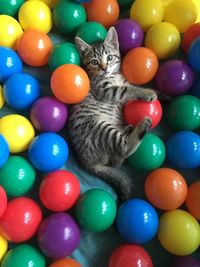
112, 38
81, 45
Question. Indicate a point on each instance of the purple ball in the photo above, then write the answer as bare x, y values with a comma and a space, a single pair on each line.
58, 235
174, 77
48, 114
130, 34
186, 261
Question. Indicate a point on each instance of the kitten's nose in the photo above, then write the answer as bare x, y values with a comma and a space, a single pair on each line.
104, 66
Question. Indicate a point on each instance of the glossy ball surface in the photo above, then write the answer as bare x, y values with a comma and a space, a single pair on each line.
165, 189
4, 152
48, 152
137, 221
65, 262
52, 237
189, 36
193, 199
3, 247
48, 114
3, 201
21, 90
194, 54
21, 220
149, 155
10, 7
17, 176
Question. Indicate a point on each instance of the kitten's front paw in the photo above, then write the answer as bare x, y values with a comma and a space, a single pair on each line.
144, 126
148, 95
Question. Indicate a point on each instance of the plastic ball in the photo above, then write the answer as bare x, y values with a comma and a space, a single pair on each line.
17, 176
96, 210
18, 132
130, 256
174, 77
4, 152
189, 36
64, 53
108, 12
163, 39
58, 235
165, 189
23, 255
70, 88
130, 35
137, 221
147, 13
2, 100
3, 247
149, 155
50, 3
34, 47
136, 110
68, 16
48, 114
35, 15
21, 90
193, 199
10, 31
65, 262
183, 150
181, 14
91, 32
179, 232
48, 152
3, 201
20, 220
194, 54
184, 113
185, 261
63, 186
10, 63
140, 65
10, 7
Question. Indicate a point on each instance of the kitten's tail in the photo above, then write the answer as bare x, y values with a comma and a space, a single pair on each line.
121, 183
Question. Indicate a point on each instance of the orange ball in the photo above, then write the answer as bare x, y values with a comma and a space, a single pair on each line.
105, 12
140, 65
166, 189
65, 263
70, 83
34, 47
193, 199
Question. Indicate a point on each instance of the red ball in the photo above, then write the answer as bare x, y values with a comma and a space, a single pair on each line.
135, 111
189, 36
130, 256
20, 220
3, 201
59, 190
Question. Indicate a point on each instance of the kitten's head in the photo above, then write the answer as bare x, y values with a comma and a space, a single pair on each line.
102, 58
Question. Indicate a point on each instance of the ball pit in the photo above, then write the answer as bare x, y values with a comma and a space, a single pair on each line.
65, 262
3, 247
192, 201
10, 7
3, 201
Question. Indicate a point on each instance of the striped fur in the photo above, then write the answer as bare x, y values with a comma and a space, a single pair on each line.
97, 131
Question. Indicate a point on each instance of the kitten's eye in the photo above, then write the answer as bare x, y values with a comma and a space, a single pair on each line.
109, 57
94, 62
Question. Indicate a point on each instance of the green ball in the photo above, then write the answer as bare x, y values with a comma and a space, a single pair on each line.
91, 32
65, 53
10, 7
68, 16
17, 176
125, 3
184, 113
23, 256
96, 210
150, 154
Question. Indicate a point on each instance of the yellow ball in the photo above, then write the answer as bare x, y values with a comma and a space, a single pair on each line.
179, 232
147, 13
163, 38
10, 30
3, 247
50, 3
2, 100
35, 15
166, 2
18, 132
197, 4
181, 13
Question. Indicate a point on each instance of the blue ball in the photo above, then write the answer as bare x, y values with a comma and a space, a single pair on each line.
183, 150
48, 152
137, 221
194, 54
4, 150
10, 63
21, 90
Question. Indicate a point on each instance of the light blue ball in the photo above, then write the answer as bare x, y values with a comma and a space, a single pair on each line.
4, 150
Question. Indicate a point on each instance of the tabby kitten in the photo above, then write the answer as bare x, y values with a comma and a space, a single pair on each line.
97, 131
